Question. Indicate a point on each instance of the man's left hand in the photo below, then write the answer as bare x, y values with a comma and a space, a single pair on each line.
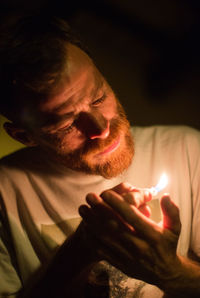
130, 240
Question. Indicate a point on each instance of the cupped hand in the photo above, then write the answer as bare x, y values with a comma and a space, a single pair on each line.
131, 241
133, 196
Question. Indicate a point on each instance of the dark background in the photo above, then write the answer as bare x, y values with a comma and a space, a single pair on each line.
149, 51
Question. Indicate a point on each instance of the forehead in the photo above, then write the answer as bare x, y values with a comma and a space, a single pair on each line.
81, 78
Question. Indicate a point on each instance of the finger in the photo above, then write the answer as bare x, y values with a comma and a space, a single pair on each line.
137, 197
131, 214
101, 214
107, 233
139, 200
146, 210
171, 218
99, 207
87, 214
123, 188
93, 199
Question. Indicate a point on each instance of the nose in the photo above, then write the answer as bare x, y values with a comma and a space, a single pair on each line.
94, 125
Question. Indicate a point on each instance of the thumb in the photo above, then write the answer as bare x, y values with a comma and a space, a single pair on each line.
171, 218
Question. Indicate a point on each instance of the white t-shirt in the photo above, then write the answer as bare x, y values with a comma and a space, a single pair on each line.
39, 204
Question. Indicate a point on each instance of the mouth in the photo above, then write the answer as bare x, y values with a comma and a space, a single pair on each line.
111, 148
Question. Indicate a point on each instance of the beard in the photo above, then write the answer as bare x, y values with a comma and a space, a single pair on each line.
88, 158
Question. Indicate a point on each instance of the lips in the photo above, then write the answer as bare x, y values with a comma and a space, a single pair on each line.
111, 148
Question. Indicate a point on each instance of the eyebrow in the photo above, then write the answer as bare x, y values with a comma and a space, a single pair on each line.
99, 85
94, 92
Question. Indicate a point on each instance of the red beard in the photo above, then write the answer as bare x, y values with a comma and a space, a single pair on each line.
111, 164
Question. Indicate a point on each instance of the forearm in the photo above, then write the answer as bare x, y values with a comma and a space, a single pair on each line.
186, 281
66, 275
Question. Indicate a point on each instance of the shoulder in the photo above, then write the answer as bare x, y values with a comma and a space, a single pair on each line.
17, 158
11, 166
21, 161
166, 135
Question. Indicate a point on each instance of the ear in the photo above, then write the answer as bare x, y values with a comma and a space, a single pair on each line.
19, 134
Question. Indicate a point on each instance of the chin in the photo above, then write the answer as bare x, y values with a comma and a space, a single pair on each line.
106, 161
111, 164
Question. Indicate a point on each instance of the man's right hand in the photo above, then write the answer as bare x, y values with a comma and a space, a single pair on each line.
134, 196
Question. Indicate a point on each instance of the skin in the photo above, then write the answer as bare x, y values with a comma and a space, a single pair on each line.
82, 114
83, 126
77, 95
76, 257
140, 247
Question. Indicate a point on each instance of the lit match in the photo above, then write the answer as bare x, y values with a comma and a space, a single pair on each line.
162, 183
154, 190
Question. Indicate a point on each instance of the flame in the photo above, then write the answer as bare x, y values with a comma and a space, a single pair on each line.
162, 182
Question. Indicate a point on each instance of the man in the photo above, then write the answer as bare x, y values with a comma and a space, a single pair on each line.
80, 146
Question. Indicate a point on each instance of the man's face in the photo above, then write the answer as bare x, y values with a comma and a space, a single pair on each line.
84, 126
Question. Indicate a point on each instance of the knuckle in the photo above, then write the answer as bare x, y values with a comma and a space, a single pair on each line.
130, 198
127, 186
122, 187
106, 194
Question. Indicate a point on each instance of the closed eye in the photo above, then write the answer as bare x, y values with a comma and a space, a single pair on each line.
66, 129
99, 100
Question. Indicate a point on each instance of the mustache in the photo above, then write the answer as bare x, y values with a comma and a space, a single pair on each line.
97, 145
118, 124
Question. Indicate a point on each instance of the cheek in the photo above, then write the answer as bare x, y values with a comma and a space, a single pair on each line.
109, 110
64, 143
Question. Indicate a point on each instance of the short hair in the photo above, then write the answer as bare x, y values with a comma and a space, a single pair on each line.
33, 57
